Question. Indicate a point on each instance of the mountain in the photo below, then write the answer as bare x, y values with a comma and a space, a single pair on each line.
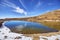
53, 15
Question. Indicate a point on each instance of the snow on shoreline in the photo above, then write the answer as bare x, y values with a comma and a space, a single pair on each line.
6, 34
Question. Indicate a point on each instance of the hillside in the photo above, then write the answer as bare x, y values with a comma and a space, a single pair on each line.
54, 15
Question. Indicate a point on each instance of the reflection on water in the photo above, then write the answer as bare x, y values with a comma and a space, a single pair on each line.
28, 27
55, 25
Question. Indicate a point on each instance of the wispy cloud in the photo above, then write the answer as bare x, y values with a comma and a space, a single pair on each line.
15, 8
22, 4
9, 4
58, 9
19, 10
51, 3
37, 5
48, 11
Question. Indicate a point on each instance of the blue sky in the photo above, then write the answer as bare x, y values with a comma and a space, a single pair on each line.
26, 8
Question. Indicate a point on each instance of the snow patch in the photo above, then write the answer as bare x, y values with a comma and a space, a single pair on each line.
6, 34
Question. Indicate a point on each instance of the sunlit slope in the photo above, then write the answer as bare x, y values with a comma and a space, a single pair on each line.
53, 15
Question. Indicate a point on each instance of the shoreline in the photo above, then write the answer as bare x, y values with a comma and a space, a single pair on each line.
10, 35
42, 35
2, 23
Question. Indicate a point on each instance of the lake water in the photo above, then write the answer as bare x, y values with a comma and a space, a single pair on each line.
26, 27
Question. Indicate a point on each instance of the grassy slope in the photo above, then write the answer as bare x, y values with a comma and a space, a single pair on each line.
54, 15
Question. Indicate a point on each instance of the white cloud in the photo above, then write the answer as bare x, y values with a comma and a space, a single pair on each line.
15, 8
19, 10
48, 11
58, 9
